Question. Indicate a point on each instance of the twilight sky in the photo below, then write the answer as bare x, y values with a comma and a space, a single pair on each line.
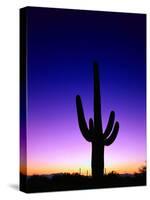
62, 45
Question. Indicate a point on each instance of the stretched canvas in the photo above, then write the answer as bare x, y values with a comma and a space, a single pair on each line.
82, 99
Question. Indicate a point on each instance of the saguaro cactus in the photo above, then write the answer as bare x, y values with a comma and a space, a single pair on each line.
94, 132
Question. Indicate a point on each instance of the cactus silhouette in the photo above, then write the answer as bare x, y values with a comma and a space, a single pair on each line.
94, 132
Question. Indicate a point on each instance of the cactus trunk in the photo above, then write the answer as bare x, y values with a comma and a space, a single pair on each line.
97, 160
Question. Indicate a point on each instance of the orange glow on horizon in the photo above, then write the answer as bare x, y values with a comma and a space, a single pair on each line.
119, 168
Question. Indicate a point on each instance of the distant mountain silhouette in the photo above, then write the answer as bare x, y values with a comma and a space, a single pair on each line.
94, 132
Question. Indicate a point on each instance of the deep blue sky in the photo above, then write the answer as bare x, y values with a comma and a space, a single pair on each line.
69, 41
62, 45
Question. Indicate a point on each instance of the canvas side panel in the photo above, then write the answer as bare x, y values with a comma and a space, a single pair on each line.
23, 89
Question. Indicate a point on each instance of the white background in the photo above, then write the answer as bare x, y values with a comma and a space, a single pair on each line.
9, 98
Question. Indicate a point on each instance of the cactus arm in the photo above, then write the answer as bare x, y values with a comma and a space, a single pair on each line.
91, 129
113, 135
110, 124
81, 120
91, 124
97, 101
